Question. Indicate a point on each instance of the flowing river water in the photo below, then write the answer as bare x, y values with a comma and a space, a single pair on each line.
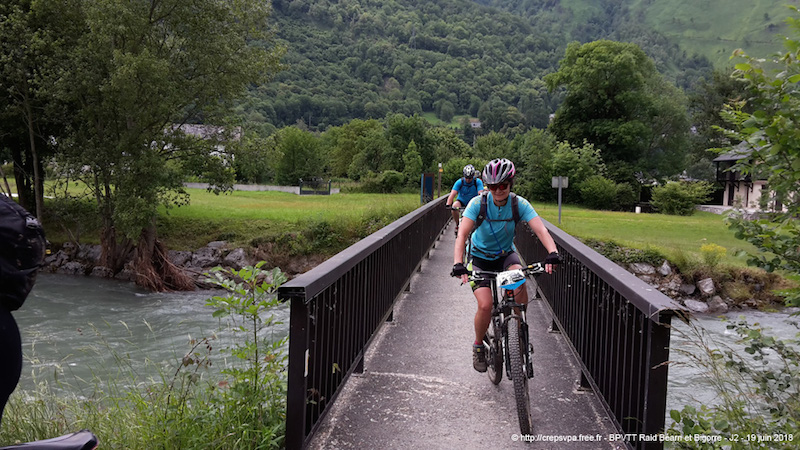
87, 327
83, 327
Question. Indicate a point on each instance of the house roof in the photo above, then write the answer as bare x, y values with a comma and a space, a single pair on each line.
741, 151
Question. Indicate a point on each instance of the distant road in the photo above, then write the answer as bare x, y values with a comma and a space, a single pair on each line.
256, 187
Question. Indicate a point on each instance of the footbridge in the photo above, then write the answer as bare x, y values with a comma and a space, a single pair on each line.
380, 349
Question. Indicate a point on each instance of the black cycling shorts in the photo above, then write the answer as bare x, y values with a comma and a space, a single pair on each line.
493, 265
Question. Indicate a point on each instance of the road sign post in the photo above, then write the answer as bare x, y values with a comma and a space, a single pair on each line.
559, 183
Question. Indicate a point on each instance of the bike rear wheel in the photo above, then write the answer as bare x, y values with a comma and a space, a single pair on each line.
516, 357
494, 357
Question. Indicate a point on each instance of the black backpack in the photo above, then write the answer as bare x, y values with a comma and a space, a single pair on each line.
22, 249
482, 214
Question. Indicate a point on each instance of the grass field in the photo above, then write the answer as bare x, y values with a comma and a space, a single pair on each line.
240, 217
668, 234
433, 120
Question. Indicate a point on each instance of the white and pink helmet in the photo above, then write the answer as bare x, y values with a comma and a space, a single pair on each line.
498, 170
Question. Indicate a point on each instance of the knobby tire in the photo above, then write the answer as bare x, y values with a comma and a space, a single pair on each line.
517, 370
494, 360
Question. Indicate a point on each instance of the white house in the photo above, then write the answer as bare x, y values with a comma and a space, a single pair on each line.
740, 190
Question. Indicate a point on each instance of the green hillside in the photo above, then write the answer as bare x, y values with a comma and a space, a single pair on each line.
366, 59
710, 28
715, 28
483, 58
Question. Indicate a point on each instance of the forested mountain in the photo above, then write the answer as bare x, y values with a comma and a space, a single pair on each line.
710, 28
364, 59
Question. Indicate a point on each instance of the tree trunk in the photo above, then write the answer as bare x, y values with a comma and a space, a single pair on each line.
153, 269
5, 182
24, 190
37, 185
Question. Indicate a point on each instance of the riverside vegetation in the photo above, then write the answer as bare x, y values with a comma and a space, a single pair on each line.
240, 404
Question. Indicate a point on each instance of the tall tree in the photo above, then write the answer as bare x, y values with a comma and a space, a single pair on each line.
32, 38
301, 158
616, 100
771, 135
140, 71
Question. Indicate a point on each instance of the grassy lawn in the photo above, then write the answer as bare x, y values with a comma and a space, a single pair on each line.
239, 217
668, 234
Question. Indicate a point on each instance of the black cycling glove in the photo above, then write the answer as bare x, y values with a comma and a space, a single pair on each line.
553, 258
458, 270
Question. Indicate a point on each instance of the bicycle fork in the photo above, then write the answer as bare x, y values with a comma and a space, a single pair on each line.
510, 316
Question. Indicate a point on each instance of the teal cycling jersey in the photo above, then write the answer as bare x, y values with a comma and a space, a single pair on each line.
467, 191
494, 238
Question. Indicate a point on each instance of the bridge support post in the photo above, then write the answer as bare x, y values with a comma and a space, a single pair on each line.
583, 384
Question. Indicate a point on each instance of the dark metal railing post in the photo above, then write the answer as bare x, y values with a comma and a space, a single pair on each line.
616, 325
337, 307
296, 389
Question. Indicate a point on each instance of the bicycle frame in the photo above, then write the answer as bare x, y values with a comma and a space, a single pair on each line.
506, 309
508, 339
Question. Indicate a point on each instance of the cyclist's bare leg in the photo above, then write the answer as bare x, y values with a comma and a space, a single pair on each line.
456, 204
484, 314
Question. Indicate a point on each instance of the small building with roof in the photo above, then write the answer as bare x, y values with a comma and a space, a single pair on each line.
741, 189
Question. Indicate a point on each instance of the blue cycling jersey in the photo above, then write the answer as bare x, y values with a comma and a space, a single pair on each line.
467, 191
495, 237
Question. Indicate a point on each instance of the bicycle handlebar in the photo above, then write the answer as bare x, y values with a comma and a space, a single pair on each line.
533, 269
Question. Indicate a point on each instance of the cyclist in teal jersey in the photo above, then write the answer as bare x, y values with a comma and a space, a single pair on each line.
464, 190
492, 248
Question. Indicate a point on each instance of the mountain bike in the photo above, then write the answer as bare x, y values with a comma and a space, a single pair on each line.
507, 338
460, 214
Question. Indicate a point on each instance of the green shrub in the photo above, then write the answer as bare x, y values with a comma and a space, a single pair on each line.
626, 197
598, 192
386, 182
680, 198
625, 255
758, 405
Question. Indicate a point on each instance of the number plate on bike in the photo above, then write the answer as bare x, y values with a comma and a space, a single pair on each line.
511, 279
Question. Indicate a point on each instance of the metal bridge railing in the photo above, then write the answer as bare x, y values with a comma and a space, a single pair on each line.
337, 307
617, 326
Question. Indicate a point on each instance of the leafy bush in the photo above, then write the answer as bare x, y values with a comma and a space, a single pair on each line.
386, 182
624, 255
626, 197
598, 192
680, 198
758, 390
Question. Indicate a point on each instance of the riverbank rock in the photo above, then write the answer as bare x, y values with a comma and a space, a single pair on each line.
718, 305
642, 269
84, 259
706, 287
695, 306
72, 268
236, 259
665, 270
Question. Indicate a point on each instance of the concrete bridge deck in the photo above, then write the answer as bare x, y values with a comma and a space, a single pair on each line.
419, 390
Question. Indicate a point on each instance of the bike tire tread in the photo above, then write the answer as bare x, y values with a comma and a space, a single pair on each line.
517, 369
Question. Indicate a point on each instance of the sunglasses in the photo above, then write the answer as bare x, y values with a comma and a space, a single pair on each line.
501, 186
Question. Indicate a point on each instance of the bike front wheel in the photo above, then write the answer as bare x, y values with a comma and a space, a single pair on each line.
494, 357
516, 358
